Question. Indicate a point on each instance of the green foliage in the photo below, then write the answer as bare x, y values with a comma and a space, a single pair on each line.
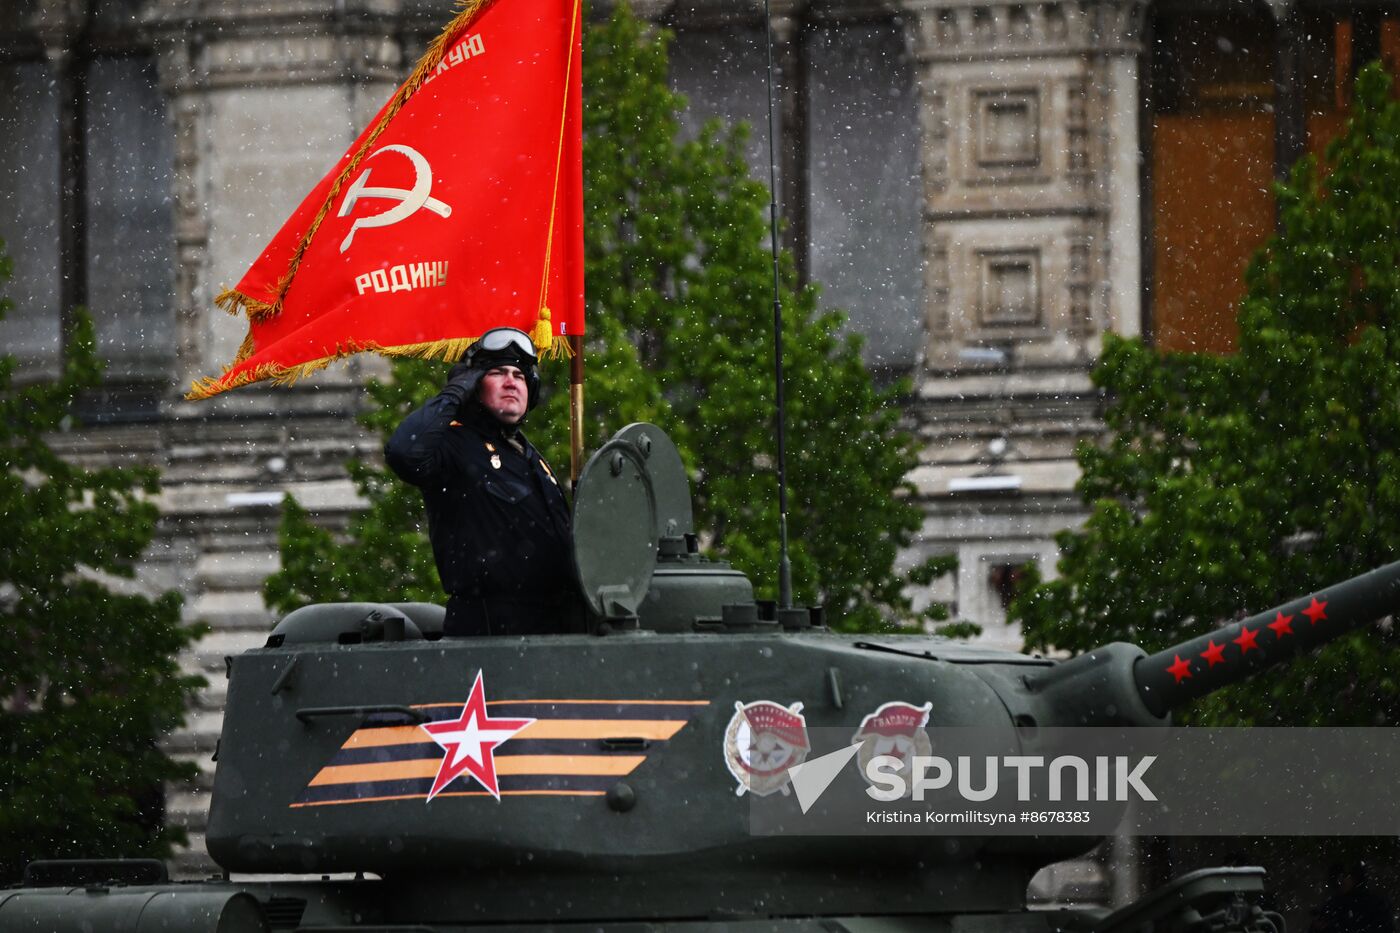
679, 313
88, 678
1234, 483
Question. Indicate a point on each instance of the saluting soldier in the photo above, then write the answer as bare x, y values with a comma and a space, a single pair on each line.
497, 517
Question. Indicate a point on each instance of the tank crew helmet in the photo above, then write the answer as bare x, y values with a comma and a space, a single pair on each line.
499, 346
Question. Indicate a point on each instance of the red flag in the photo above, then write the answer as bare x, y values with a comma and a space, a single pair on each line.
459, 209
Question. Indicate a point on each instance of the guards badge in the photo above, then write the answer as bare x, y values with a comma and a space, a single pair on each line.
763, 740
896, 730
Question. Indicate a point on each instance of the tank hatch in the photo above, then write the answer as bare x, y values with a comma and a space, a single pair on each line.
635, 545
669, 484
615, 537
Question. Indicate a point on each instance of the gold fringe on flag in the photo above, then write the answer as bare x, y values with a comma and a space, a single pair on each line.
449, 350
245, 349
233, 302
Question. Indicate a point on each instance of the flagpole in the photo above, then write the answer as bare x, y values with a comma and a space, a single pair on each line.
575, 408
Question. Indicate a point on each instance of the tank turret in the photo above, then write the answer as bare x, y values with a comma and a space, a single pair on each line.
601, 778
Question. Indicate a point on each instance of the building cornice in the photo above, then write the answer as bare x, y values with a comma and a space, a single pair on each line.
246, 43
969, 30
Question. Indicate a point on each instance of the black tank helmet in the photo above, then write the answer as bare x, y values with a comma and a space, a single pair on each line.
496, 347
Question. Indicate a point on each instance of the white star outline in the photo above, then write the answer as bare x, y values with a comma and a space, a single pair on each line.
456, 743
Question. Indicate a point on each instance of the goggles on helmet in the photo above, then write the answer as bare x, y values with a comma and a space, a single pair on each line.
499, 339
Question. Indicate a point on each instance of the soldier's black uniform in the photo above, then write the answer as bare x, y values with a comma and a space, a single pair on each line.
497, 518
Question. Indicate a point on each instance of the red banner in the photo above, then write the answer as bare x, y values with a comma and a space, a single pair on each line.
459, 209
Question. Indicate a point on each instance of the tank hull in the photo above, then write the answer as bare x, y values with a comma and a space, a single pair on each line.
620, 799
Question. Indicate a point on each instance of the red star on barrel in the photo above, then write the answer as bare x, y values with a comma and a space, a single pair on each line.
1282, 625
469, 742
1316, 611
1214, 653
1246, 639
1181, 670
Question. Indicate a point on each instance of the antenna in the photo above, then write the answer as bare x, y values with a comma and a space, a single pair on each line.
784, 564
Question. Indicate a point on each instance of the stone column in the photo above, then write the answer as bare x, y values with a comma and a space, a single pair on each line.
1118, 55
264, 99
193, 297
1029, 113
1290, 112
62, 27
790, 36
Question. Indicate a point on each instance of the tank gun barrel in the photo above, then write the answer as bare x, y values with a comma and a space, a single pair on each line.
1120, 684
1176, 675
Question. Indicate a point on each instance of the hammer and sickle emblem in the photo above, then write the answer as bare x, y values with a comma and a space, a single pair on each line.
410, 201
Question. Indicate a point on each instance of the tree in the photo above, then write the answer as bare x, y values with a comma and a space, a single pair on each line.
88, 677
1233, 483
679, 309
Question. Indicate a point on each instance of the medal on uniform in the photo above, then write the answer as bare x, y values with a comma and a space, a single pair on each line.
548, 472
495, 457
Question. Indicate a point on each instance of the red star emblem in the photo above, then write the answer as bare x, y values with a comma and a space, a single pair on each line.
1246, 639
1214, 653
469, 741
1282, 625
1181, 670
1316, 611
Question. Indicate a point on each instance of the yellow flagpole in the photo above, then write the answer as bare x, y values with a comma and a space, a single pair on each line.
575, 409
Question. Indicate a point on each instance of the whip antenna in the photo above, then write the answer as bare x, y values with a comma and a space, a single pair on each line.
784, 564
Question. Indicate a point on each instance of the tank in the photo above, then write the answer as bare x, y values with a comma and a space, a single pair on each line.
598, 781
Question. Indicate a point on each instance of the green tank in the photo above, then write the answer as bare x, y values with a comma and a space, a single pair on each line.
596, 781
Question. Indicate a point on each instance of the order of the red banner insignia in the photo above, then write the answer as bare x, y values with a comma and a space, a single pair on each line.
895, 730
762, 741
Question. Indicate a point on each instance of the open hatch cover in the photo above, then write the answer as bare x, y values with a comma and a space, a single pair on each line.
615, 534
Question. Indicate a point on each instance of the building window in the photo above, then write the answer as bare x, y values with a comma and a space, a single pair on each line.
1212, 170
1010, 288
1007, 128
866, 227
1336, 48
1217, 133
1005, 580
29, 215
123, 258
131, 238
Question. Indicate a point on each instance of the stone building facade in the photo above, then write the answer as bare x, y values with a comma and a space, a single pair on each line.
985, 185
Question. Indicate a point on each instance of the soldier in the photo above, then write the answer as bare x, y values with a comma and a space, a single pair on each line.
497, 518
